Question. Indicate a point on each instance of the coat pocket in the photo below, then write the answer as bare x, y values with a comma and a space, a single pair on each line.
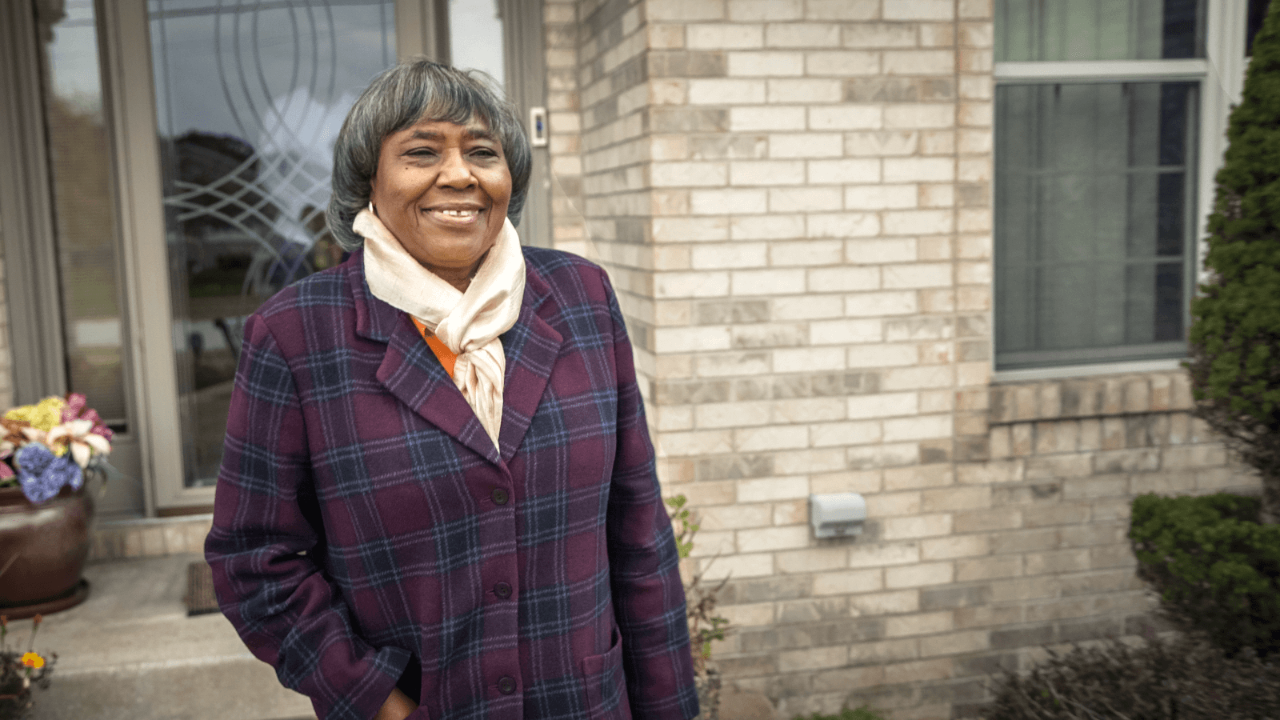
606, 683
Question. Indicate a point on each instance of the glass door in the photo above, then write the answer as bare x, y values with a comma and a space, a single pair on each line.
227, 112
250, 95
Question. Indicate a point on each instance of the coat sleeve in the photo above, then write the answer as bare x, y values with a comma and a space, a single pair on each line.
644, 565
266, 542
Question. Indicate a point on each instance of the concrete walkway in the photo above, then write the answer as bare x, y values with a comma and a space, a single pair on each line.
130, 652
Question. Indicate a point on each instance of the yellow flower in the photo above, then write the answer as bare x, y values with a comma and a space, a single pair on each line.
32, 660
42, 416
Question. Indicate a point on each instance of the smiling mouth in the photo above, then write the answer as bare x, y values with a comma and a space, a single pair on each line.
455, 215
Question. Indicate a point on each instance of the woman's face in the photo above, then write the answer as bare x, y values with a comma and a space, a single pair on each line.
443, 189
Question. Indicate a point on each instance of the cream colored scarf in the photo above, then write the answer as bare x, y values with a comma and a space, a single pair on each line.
467, 323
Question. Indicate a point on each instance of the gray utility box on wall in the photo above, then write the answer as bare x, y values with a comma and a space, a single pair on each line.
837, 514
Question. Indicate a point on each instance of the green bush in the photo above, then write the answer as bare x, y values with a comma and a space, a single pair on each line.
1187, 679
862, 713
1235, 332
1216, 568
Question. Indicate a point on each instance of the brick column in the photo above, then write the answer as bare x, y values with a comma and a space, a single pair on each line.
617, 203
793, 198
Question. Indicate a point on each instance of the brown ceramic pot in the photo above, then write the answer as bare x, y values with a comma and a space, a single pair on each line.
43, 549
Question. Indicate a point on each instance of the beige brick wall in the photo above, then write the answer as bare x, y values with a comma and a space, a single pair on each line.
966, 566
794, 200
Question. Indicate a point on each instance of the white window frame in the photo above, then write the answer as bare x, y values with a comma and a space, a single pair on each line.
1220, 75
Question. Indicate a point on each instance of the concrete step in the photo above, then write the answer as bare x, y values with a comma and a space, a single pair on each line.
130, 652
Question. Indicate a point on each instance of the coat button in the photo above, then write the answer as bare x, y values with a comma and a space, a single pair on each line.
499, 496
502, 590
506, 685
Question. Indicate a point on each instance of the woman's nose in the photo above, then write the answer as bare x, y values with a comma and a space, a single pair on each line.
454, 171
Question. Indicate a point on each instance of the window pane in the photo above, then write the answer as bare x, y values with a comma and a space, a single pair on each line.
1257, 14
1098, 29
475, 36
250, 97
1093, 207
84, 210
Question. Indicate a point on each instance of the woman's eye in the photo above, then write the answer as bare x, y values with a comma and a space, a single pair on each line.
421, 152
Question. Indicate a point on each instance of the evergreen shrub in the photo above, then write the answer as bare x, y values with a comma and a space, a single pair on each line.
862, 713
1216, 568
1235, 332
1184, 679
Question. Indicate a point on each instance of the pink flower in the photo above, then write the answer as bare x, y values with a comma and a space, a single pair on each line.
76, 410
6, 452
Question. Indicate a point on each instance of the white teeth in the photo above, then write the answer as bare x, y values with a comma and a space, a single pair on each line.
459, 213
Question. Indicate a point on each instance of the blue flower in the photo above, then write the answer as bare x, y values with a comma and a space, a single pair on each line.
69, 471
42, 474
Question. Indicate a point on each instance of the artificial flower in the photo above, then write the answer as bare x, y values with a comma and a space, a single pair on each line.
6, 451
36, 435
13, 430
42, 474
77, 409
42, 416
50, 445
32, 660
79, 436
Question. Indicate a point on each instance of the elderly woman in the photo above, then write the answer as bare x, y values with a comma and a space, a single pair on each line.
437, 498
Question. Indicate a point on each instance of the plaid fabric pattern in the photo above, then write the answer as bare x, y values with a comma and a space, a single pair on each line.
364, 518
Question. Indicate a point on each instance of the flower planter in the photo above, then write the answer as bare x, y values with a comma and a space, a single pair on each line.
43, 549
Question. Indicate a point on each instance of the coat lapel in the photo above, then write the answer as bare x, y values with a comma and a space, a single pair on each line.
411, 372
531, 347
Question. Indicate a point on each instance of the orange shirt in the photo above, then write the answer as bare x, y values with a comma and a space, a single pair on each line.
442, 351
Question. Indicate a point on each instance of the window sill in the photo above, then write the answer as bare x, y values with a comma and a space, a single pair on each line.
1075, 371
1113, 390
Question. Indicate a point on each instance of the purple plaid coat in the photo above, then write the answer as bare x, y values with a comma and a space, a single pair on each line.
365, 523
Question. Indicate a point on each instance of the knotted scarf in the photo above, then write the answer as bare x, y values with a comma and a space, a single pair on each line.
467, 323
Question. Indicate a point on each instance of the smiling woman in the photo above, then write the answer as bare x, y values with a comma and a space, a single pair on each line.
443, 189
438, 495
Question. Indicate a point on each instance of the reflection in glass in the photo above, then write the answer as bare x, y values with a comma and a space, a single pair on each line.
1257, 14
1098, 29
84, 208
250, 97
1093, 225
475, 36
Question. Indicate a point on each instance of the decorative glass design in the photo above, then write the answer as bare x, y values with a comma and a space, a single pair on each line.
250, 97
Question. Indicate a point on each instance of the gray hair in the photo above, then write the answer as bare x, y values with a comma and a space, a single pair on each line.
400, 97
